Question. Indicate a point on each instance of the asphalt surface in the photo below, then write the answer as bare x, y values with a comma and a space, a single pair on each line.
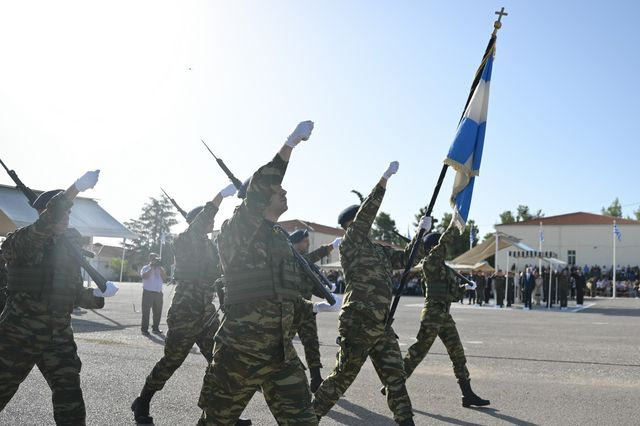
537, 367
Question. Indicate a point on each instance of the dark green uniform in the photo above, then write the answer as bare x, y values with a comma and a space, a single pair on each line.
307, 325
44, 286
197, 269
564, 285
263, 287
499, 283
440, 289
368, 268
481, 282
3, 282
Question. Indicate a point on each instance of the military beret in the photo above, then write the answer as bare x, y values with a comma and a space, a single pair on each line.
242, 191
348, 214
298, 235
431, 240
43, 199
193, 213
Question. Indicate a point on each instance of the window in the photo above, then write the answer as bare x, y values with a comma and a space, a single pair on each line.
571, 257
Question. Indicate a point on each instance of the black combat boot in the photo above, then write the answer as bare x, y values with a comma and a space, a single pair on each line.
468, 397
140, 407
407, 422
316, 378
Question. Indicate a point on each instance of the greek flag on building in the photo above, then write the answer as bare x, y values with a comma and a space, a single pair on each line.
465, 152
617, 232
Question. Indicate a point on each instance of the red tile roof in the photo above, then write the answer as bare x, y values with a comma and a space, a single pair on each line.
578, 218
292, 225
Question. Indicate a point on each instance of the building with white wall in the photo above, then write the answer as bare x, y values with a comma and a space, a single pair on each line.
576, 238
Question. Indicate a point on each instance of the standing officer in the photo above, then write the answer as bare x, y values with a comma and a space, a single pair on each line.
481, 282
529, 283
308, 326
44, 285
498, 286
262, 290
578, 277
368, 269
440, 289
197, 269
563, 288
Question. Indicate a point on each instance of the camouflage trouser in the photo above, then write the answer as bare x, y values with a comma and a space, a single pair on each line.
308, 332
234, 377
436, 321
182, 334
361, 337
25, 342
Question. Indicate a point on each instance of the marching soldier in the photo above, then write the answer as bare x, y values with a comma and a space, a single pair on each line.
498, 286
192, 317
368, 269
440, 289
44, 285
308, 326
263, 287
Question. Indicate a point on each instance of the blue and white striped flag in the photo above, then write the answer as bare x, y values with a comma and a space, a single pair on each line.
465, 152
617, 232
541, 234
472, 236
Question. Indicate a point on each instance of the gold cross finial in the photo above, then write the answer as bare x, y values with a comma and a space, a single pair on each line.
497, 24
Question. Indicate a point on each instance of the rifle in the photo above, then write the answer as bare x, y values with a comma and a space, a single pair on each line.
234, 180
320, 282
175, 204
76, 252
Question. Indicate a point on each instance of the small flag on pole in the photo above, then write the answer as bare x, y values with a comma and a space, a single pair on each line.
465, 152
617, 232
472, 236
541, 234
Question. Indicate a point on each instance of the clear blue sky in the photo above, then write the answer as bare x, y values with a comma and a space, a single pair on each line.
108, 86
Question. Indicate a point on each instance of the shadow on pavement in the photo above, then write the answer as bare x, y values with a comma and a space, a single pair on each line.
361, 415
496, 413
611, 312
445, 419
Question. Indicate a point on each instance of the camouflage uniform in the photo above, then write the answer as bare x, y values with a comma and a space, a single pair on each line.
441, 288
44, 284
307, 326
253, 346
197, 269
368, 269
3, 282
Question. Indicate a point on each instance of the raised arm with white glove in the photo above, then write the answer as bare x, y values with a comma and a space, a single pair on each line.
391, 170
302, 132
228, 191
471, 286
326, 307
111, 290
87, 180
336, 243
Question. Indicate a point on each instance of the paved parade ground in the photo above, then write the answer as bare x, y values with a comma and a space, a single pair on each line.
538, 367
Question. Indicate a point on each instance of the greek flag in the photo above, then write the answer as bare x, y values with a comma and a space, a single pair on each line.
541, 234
617, 232
472, 236
465, 152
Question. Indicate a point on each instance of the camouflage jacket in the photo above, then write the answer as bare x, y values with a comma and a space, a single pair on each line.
3, 282
197, 267
313, 257
32, 246
440, 283
368, 266
262, 327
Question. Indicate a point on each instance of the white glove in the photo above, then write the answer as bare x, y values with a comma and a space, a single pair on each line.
228, 191
301, 133
88, 180
333, 287
111, 290
336, 243
471, 286
425, 223
326, 307
392, 170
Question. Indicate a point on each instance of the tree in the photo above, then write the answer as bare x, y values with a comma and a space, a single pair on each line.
157, 218
615, 209
384, 229
637, 213
507, 217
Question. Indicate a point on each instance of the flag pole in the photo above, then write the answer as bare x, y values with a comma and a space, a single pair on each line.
540, 250
614, 260
418, 239
506, 282
550, 280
